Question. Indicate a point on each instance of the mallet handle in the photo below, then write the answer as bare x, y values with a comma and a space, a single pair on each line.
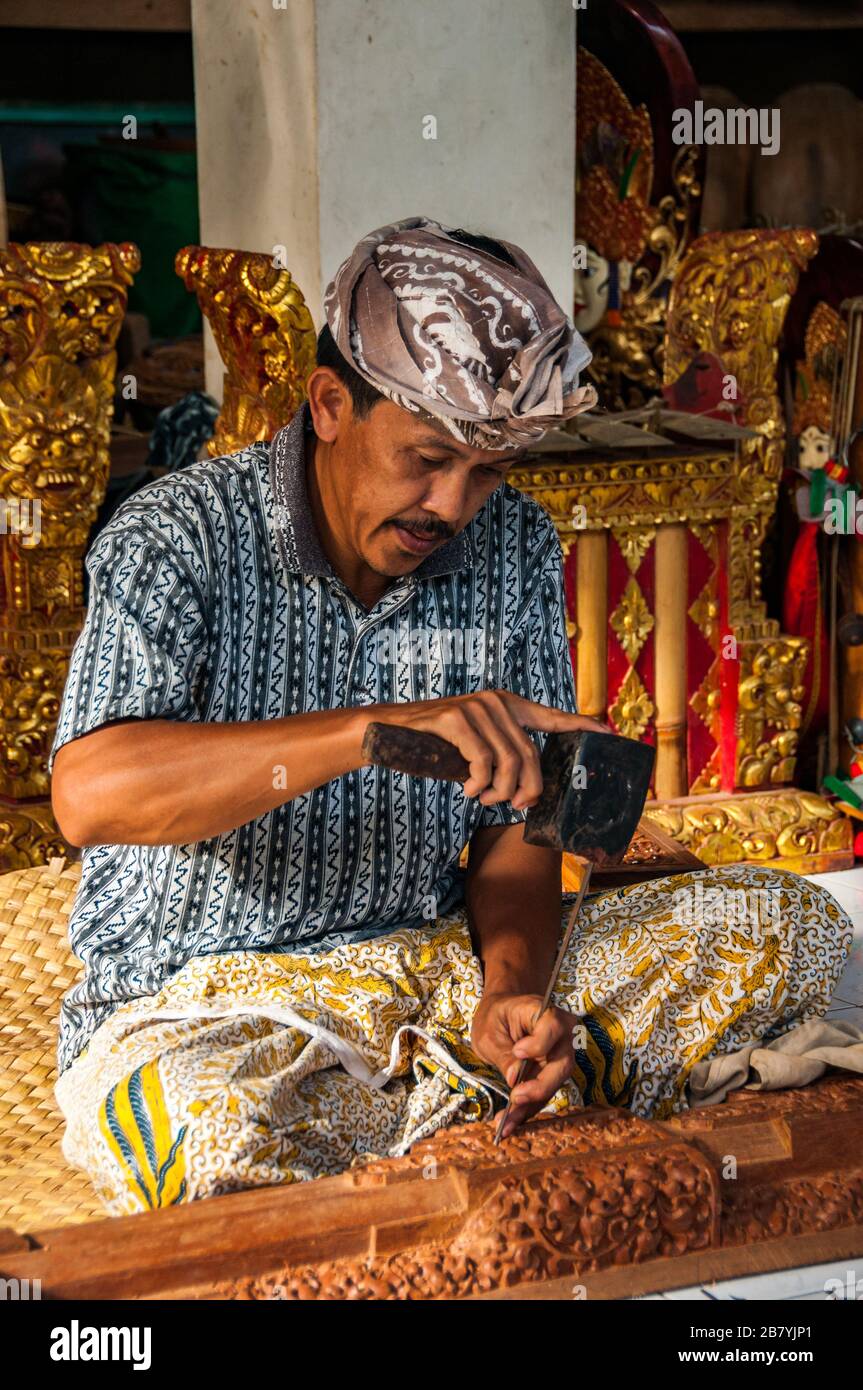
415, 752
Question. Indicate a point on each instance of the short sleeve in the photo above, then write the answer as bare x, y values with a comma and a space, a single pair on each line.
538, 665
144, 638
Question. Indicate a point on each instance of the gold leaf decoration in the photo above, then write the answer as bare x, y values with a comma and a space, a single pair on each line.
633, 708
632, 620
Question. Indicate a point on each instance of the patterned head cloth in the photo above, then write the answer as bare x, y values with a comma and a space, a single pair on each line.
456, 333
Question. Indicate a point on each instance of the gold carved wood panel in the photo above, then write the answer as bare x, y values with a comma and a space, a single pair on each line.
743, 677
61, 308
264, 333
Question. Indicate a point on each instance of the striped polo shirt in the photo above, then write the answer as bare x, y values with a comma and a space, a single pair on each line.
211, 599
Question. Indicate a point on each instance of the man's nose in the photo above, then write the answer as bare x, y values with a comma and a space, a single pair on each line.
447, 497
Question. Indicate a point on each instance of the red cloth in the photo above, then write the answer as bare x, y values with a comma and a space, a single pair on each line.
803, 616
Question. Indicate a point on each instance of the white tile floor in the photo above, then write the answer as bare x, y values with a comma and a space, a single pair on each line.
842, 1281
813, 1282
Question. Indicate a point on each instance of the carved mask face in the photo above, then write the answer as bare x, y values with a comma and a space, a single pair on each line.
591, 290
814, 449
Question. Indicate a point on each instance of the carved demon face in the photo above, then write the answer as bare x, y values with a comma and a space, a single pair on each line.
54, 426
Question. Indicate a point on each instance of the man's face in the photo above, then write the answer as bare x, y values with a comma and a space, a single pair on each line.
401, 487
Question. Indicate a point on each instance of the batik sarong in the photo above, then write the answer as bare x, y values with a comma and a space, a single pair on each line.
249, 1069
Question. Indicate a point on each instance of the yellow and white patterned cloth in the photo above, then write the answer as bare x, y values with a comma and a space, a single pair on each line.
249, 1069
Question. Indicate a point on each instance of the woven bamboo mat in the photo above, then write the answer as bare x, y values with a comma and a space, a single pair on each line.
37, 1186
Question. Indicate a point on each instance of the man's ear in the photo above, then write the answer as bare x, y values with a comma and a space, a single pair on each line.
329, 402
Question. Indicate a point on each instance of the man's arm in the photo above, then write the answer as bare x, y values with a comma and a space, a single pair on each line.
162, 781
169, 782
513, 900
514, 905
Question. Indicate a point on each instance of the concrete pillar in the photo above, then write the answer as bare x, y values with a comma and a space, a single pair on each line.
256, 116
321, 119
497, 77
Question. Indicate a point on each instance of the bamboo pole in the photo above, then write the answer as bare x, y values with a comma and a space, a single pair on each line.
591, 648
670, 647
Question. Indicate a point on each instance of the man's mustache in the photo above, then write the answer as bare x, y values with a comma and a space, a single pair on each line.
426, 527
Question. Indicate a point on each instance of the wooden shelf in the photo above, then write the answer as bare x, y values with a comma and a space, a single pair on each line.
159, 16
698, 16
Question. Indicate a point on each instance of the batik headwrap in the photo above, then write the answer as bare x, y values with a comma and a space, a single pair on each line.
441, 328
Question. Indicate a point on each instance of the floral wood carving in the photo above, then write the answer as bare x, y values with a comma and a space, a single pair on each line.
567, 1220
628, 1192
797, 828
590, 1204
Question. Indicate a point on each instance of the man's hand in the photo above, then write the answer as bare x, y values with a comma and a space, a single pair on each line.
489, 731
506, 1029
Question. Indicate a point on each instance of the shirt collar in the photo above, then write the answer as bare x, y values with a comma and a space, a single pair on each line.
297, 539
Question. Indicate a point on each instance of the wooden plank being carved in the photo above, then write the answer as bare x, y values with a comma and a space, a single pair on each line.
596, 1201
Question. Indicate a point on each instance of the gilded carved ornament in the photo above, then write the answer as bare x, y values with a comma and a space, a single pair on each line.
264, 333
729, 300
824, 347
632, 620
633, 709
797, 827
61, 308
633, 247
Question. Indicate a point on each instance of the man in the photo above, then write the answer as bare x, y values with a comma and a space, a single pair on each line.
284, 964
